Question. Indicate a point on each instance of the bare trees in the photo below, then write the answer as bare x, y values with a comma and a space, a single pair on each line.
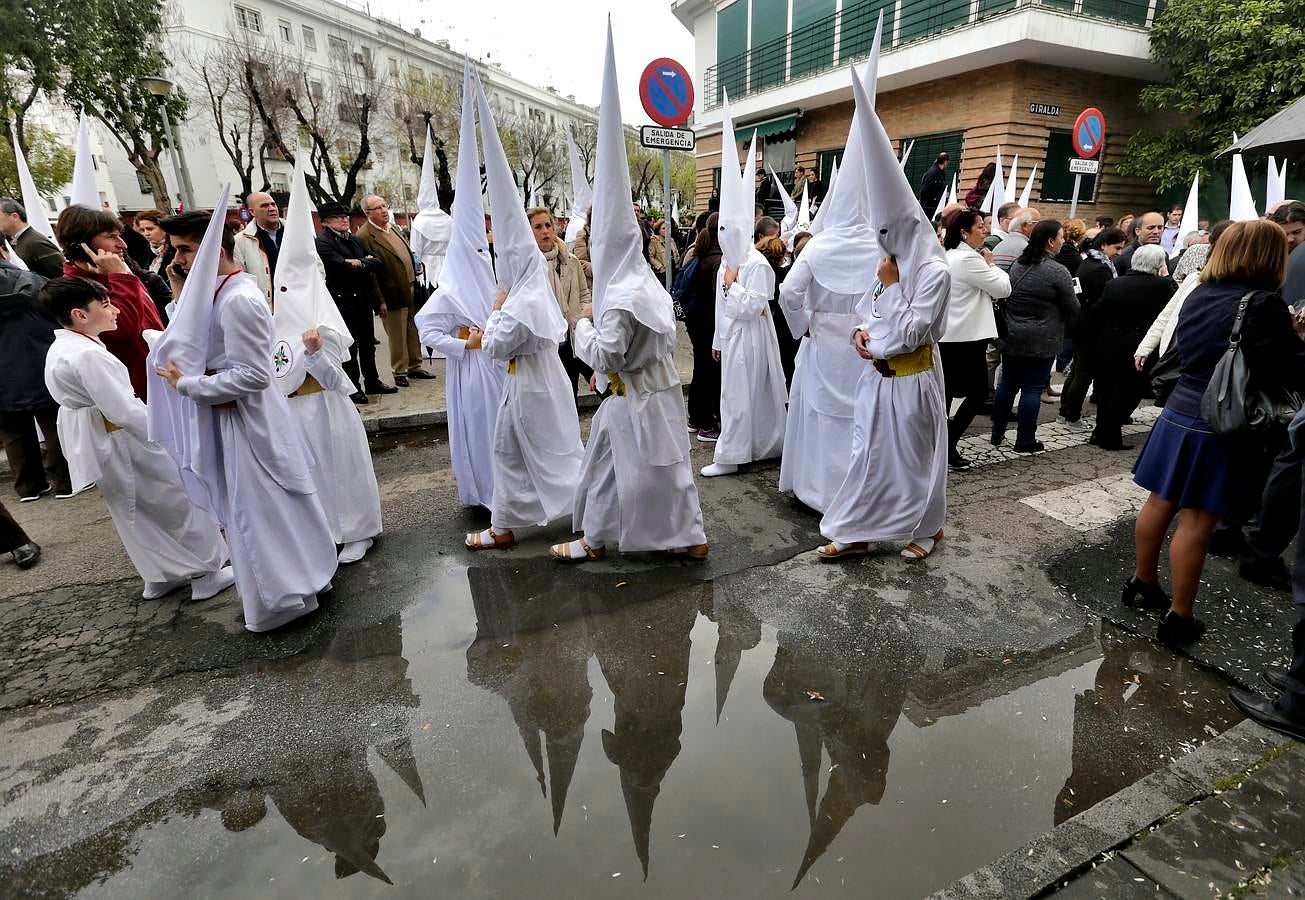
421, 102
536, 152
217, 80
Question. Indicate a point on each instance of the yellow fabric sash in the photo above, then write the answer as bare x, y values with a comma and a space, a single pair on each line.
310, 386
110, 427
463, 332
913, 363
618, 386
512, 367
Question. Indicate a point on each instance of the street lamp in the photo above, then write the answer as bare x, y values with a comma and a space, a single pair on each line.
161, 87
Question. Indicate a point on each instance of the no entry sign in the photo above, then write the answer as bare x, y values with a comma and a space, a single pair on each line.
1089, 132
666, 92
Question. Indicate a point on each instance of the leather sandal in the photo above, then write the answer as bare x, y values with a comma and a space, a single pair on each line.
915, 551
696, 552
502, 541
562, 552
829, 552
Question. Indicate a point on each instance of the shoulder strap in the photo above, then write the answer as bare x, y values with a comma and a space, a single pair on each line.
1236, 335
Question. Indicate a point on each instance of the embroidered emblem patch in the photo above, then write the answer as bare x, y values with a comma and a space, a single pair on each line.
282, 358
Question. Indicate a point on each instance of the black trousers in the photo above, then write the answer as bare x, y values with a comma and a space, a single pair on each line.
32, 471
704, 390
1252, 456
1280, 507
788, 344
1081, 373
363, 352
1119, 390
1292, 701
576, 370
965, 374
12, 535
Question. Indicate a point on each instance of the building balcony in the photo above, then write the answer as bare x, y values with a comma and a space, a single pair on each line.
926, 39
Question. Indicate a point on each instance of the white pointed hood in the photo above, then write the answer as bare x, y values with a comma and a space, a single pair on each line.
790, 207
997, 190
1012, 182
942, 204
521, 268
1241, 206
582, 194
804, 209
1191, 217
900, 227
1026, 195
181, 426
954, 197
432, 227
466, 284
1275, 189
906, 154
818, 220
300, 300
622, 279
736, 211
33, 202
84, 190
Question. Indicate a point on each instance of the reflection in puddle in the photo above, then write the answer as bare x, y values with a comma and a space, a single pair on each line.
725, 749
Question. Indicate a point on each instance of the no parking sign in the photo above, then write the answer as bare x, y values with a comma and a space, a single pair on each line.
1089, 132
666, 92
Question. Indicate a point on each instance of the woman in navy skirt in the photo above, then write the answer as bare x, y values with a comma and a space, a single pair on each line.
1185, 466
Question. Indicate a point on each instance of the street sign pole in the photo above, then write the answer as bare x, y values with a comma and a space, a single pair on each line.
1073, 203
666, 217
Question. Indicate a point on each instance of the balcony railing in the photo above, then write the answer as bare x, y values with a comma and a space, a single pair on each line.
847, 35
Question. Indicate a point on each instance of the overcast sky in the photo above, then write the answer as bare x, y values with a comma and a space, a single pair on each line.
557, 42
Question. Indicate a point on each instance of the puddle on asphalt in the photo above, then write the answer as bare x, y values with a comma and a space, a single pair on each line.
503, 739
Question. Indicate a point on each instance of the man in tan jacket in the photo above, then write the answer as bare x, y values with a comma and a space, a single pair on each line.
570, 286
395, 277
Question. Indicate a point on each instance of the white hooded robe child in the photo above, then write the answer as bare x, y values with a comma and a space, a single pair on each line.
316, 386
474, 380
537, 449
636, 485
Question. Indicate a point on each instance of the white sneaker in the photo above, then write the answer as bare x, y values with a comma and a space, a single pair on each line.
156, 589
1054, 390
353, 551
715, 469
1081, 424
212, 584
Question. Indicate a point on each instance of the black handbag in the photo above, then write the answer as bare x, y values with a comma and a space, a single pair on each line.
1165, 372
1230, 405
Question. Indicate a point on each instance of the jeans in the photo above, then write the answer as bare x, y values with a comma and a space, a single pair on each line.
1028, 375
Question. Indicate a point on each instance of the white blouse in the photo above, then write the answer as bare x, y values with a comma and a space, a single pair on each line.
975, 284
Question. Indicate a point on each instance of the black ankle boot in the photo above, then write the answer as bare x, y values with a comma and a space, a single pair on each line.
1177, 631
1140, 595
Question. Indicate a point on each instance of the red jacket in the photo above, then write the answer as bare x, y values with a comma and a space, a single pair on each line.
136, 312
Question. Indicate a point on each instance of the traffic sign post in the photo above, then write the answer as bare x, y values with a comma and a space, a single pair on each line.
1088, 136
666, 91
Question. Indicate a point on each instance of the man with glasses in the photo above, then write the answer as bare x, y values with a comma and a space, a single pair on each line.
396, 275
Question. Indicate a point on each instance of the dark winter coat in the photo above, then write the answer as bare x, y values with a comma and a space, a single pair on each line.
26, 333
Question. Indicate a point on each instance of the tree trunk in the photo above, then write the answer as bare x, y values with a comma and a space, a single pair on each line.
152, 172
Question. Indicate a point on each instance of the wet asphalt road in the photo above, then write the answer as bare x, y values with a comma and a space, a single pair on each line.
497, 725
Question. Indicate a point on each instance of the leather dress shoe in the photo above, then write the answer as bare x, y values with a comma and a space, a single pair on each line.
27, 555
421, 375
401, 381
359, 398
1266, 712
1276, 679
381, 388
1271, 574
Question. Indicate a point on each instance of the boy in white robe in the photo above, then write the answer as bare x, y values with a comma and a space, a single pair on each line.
752, 389
636, 485
312, 341
103, 429
537, 449
896, 485
234, 431
453, 322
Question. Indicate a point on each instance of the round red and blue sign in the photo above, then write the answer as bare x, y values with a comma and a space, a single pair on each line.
666, 91
1089, 132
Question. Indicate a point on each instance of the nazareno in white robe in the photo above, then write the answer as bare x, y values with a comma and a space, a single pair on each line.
636, 485
821, 403
752, 390
896, 485
282, 546
343, 475
473, 392
537, 449
165, 536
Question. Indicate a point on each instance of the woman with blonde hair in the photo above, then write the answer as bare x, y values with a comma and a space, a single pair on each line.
1184, 464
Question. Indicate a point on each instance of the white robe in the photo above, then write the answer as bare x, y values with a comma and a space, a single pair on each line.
282, 547
165, 536
821, 403
636, 485
752, 391
345, 479
473, 392
896, 485
537, 449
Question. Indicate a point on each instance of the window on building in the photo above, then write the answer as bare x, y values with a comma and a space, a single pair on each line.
769, 47
279, 184
310, 37
921, 19
316, 88
249, 19
287, 33
54, 207
857, 26
925, 152
812, 45
825, 165
1057, 183
782, 157
731, 48
337, 46
392, 65
415, 74
398, 109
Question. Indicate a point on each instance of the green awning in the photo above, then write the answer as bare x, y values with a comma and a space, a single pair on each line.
784, 126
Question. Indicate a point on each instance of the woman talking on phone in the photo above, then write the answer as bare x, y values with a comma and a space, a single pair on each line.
93, 244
